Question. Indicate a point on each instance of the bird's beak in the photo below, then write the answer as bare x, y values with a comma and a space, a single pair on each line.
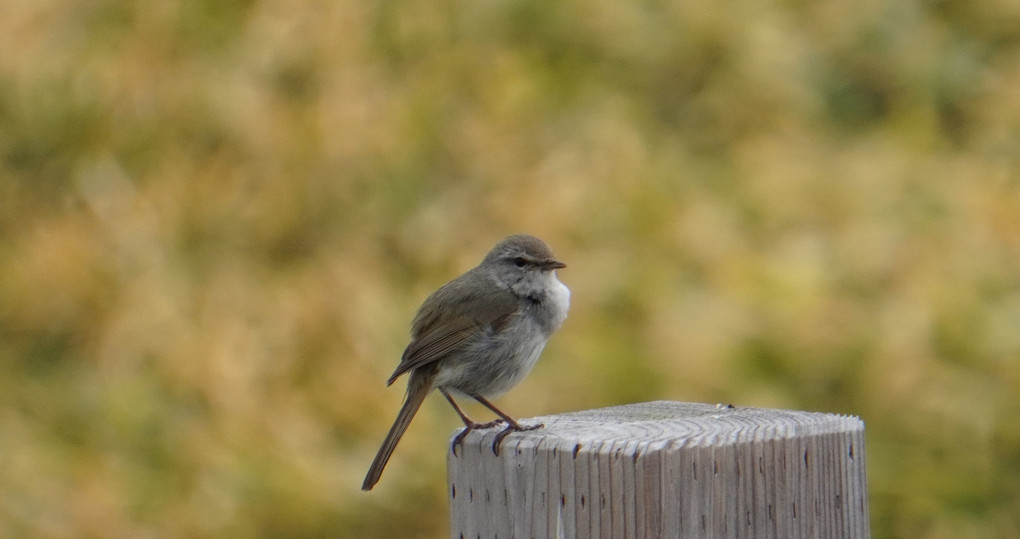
553, 264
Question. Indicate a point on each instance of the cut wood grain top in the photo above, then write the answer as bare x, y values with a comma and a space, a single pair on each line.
669, 423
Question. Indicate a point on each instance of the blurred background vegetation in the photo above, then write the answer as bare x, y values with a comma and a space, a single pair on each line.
218, 218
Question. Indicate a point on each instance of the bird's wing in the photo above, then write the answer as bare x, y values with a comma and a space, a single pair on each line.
469, 316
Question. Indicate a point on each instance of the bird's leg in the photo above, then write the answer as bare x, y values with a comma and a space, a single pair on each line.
469, 424
511, 424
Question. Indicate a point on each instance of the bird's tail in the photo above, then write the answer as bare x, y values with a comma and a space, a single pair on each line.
418, 388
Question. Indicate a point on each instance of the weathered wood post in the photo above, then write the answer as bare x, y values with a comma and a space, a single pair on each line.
665, 469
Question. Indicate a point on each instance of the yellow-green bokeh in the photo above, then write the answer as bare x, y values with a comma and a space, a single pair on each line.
217, 219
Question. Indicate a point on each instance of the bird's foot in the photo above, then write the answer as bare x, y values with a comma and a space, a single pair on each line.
511, 427
488, 425
459, 440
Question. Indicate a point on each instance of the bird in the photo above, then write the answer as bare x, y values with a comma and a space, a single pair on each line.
478, 336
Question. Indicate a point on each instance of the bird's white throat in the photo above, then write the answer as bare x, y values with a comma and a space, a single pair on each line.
559, 298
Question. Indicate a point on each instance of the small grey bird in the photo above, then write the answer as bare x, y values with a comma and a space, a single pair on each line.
479, 335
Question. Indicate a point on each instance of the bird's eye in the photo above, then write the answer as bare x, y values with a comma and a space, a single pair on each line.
520, 262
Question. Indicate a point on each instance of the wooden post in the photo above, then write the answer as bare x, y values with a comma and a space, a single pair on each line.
664, 469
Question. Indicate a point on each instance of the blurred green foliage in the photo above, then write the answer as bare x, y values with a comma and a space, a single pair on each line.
217, 219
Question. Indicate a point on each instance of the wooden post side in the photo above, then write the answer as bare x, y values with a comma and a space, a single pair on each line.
665, 469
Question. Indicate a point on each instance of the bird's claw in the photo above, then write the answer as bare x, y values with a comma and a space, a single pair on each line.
488, 425
459, 439
512, 427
